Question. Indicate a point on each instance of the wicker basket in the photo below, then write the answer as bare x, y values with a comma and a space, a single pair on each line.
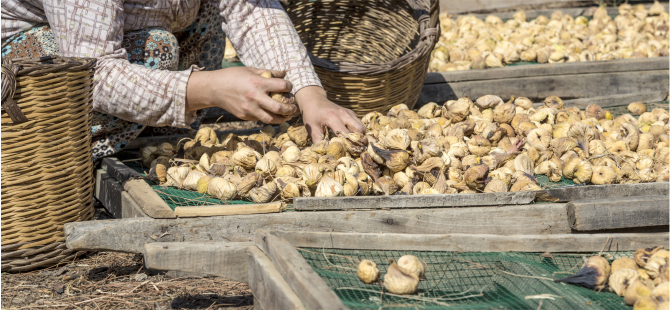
369, 55
47, 177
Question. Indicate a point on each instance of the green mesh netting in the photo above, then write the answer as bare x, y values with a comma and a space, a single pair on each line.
544, 182
623, 109
458, 280
183, 198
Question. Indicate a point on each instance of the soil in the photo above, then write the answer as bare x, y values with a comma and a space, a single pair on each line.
110, 280
107, 280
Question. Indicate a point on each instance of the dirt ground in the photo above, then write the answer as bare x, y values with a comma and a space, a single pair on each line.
109, 280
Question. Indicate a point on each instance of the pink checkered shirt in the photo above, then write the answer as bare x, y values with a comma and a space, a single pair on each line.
260, 31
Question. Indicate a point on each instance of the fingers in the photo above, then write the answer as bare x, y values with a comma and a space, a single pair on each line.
315, 133
275, 74
276, 107
353, 123
277, 86
336, 125
269, 117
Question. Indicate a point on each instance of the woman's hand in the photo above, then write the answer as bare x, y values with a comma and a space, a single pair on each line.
318, 111
242, 92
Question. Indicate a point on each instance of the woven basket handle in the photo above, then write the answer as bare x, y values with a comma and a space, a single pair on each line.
9, 71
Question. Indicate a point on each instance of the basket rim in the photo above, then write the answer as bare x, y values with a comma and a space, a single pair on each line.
427, 39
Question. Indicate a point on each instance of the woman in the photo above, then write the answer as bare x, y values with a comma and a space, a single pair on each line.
151, 55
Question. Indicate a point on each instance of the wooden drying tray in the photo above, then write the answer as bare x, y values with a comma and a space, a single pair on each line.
125, 194
634, 78
463, 8
280, 278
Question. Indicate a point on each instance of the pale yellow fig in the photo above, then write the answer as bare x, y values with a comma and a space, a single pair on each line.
656, 9
504, 113
328, 187
307, 156
549, 169
206, 135
583, 172
367, 271
524, 164
623, 262
397, 139
621, 279
191, 180
291, 154
246, 157
260, 195
492, 61
298, 135
202, 184
412, 264
637, 290
221, 188
429, 110
479, 145
286, 171
266, 167
495, 186
176, 176
603, 175
399, 281
385, 186
488, 102
653, 265
637, 108
475, 177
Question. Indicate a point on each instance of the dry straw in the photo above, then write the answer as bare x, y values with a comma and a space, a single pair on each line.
369, 55
47, 173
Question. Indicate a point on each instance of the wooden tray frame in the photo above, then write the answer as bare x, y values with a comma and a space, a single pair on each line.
280, 278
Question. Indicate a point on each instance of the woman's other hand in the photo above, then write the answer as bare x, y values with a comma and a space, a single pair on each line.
318, 111
242, 92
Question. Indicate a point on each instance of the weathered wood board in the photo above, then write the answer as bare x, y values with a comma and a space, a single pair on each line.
613, 100
413, 201
220, 210
571, 193
569, 86
130, 235
228, 260
476, 242
270, 289
301, 278
601, 214
464, 7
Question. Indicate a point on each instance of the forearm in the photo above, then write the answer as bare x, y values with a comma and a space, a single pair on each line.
197, 90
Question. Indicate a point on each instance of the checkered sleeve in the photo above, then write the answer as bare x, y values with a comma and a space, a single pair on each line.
135, 93
264, 37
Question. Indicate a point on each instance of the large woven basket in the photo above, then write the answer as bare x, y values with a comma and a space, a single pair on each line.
370, 55
47, 177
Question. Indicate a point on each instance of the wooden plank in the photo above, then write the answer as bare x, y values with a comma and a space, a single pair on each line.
413, 201
614, 100
301, 278
476, 242
455, 6
220, 210
129, 207
270, 289
130, 235
600, 214
149, 202
223, 259
459, 7
603, 191
109, 194
538, 88
550, 70
118, 170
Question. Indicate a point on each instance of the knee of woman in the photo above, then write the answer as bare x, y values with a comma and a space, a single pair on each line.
154, 48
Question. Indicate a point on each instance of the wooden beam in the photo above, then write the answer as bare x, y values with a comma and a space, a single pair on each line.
222, 259
301, 278
130, 235
413, 201
539, 87
614, 100
601, 214
118, 170
550, 70
149, 202
108, 191
476, 242
270, 289
238, 209
603, 191
129, 207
